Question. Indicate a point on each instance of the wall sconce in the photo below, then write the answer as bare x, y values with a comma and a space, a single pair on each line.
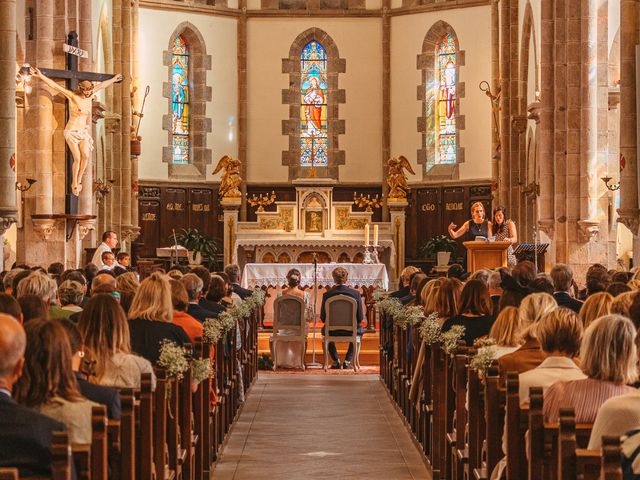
102, 189
611, 187
24, 188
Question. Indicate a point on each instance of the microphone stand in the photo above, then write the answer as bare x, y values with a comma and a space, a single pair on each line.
175, 248
315, 318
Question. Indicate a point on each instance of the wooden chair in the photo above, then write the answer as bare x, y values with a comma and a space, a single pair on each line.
341, 315
288, 314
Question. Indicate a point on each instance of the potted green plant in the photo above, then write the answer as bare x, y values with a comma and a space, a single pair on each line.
201, 247
441, 247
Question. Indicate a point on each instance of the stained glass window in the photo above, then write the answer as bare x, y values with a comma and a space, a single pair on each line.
445, 101
180, 101
314, 141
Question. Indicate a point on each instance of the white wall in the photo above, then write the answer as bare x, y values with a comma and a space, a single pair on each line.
359, 41
473, 28
220, 37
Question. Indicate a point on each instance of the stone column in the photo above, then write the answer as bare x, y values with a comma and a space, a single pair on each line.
242, 103
505, 130
386, 102
115, 198
397, 208
137, 102
629, 213
495, 88
8, 208
589, 178
126, 227
547, 100
231, 208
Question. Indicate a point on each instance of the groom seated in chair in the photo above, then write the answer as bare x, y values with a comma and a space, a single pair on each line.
340, 276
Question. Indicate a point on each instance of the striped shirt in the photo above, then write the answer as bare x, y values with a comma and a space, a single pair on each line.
584, 396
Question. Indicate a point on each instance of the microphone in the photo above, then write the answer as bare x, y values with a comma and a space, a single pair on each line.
315, 258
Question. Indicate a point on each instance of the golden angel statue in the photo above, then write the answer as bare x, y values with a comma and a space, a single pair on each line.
397, 178
230, 180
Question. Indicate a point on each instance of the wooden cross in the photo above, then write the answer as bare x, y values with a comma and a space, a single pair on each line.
72, 77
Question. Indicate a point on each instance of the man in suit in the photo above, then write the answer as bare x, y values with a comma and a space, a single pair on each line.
25, 435
562, 277
340, 276
233, 271
193, 284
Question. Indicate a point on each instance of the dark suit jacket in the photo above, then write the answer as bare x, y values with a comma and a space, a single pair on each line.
349, 292
147, 335
567, 301
199, 313
402, 292
407, 299
242, 292
25, 438
107, 396
213, 307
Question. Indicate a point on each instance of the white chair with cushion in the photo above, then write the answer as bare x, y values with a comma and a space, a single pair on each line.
290, 329
341, 313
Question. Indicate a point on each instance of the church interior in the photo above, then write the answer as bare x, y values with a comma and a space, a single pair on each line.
422, 262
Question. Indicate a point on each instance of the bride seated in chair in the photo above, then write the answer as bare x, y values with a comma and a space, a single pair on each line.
284, 352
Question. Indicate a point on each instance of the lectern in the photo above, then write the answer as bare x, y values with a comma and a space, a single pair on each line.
486, 255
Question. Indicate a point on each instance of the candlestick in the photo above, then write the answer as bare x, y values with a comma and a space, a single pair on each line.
375, 235
366, 235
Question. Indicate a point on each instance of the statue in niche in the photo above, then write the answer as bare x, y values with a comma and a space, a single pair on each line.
397, 178
313, 222
230, 180
77, 132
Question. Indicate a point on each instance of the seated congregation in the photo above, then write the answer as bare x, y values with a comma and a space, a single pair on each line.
517, 374
137, 379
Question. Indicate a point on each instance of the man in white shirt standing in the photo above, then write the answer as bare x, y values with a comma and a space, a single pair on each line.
109, 242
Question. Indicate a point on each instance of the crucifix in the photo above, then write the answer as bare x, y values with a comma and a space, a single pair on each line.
79, 92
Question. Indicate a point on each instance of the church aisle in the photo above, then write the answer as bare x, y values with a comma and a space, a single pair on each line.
319, 426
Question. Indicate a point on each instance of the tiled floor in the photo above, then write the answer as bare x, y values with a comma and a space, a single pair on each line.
299, 427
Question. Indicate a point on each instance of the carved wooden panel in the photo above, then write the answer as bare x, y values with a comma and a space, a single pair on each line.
201, 209
149, 221
174, 212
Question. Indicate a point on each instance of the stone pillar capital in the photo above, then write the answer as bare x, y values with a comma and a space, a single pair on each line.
533, 110
588, 229
630, 217
44, 227
85, 226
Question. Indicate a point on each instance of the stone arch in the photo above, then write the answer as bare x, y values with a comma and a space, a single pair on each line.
527, 40
426, 121
200, 94
291, 97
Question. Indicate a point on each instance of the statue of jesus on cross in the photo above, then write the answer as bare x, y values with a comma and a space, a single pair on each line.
77, 132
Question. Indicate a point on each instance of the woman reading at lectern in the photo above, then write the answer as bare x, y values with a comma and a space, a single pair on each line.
478, 226
505, 230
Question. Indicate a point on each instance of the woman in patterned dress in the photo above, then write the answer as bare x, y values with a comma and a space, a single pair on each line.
505, 230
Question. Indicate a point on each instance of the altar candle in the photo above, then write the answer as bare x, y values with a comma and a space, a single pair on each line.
366, 235
375, 235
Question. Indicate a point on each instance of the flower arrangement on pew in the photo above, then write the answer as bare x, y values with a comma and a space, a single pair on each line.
430, 330
216, 328
451, 338
408, 316
485, 356
200, 370
390, 306
174, 359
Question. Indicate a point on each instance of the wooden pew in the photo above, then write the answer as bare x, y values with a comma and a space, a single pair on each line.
9, 474
459, 447
123, 460
160, 451
516, 426
99, 443
188, 438
437, 408
476, 422
174, 450
60, 456
200, 412
144, 439
426, 403
494, 399
610, 460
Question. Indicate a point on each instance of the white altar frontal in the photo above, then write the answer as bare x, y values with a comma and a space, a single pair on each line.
314, 226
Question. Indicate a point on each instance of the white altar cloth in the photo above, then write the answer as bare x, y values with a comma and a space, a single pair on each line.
257, 275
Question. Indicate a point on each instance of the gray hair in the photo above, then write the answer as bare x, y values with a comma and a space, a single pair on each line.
38, 284
13, 342
193, 285
70, 293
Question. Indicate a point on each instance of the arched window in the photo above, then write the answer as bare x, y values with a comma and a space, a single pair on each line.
180, 126
445, 94
313, 125
314, 141
440, 92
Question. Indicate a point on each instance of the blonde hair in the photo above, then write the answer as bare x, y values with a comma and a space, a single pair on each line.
609, 351
478, 204
634, 283
622, 303
531, 310
407, 272
506, 328
153, 300
429, 293
560, 330
595, 306
127, 283
446, 299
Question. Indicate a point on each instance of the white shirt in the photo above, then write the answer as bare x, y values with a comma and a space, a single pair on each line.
97, 256
547, 373
616, 417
